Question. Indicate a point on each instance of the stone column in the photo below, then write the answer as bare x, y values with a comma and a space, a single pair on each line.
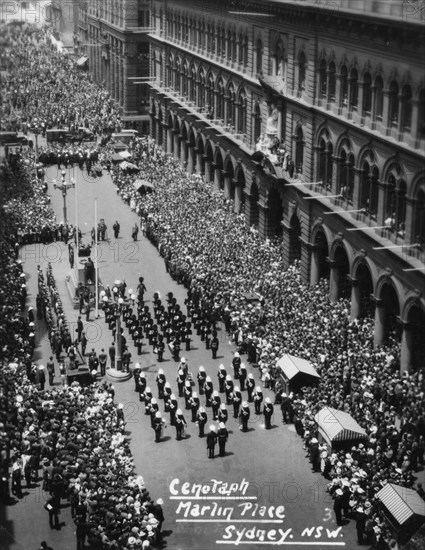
190, 158
217, 178
208, 168
183, 152
379, 328
176, 145
380, 215
169, 140
238, 197
227, 184
334, 286
314, 265
386, 123
406, 347
198, 161
356, 298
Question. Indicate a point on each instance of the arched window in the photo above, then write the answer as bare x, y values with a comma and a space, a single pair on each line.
220, 99
367, 93
390, 201
354, 89
257, 121
374, 191
223, 42
234, 47
323, 84
210, 92
242, 106
344, 85
245, 51
279, 59
332, 82
325, 164
301, 72
177, 78
379, 98
259, 56
345, 180
201, 89
229, 44
231, 106
213, 36
406, 107
299, 149
192, 84
364, 186
401, 208
185, 79
393, 103
240, 49
169, 82
419, 216
421, 114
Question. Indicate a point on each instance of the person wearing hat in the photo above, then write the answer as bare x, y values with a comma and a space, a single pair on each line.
156, 510
50, 366
215, 404
194, 404
228, 388
211, 441
242, 376
201, 419
338, 504
201, 376
187, 393
103, 358
250, 387
208, 390
223, 414
223, 436
158, 426
221, 375
214, 345
244, 415
180, 424
172, 407
268, 410
160, 382
236, 364
258, 399
153, 409
41, 375
360, 524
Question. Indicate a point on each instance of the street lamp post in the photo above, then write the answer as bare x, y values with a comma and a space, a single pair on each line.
64, 186
118, 308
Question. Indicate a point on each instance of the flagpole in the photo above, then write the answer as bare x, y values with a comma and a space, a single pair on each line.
96, 296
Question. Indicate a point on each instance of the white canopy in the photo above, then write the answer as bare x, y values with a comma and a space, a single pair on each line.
291, 366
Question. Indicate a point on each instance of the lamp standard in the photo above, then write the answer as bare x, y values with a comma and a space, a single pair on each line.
118, 308
64, 186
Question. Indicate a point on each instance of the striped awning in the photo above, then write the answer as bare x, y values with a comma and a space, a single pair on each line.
336, 425
401, 503
291, 366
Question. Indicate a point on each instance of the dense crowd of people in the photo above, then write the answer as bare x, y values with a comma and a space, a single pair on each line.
207, 247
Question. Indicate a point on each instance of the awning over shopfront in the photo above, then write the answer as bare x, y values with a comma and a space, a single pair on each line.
338, 426
138, 184
82, 61
404, 509
134, 118
116, 158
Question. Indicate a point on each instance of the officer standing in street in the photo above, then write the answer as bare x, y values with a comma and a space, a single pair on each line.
116, 228
223, 436
211, 441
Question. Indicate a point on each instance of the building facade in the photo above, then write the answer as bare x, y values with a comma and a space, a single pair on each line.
311, 118
113, 37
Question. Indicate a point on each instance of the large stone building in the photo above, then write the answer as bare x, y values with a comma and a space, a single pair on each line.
113, 37
311, 118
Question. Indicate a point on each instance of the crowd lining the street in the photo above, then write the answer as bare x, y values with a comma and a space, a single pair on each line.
207, 247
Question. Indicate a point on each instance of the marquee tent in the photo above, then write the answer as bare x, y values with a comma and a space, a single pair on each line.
296, 372
338, 428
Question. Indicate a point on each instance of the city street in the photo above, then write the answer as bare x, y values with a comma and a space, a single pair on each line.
261, 493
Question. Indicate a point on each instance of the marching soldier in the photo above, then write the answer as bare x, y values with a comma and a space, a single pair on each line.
201, 419
245, 413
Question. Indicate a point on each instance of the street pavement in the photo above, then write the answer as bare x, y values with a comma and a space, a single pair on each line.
262, 493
